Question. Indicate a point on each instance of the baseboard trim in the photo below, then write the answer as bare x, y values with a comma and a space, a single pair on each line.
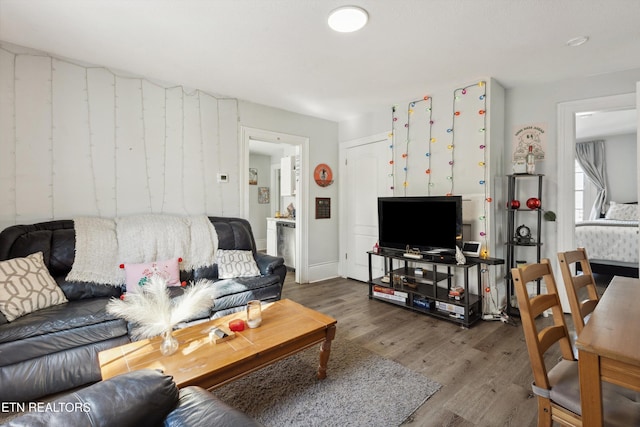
323, 271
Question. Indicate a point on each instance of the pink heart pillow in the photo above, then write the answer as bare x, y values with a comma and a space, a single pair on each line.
138, 274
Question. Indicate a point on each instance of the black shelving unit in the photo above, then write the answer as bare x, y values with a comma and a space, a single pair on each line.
522, 216
419, 291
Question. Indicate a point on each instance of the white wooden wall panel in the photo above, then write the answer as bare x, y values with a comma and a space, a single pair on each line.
153, 97
230, 157
211, 164
101, 96
174, 200
132, 187
193, 184
33, 139
71, 156
7, 140
83, 140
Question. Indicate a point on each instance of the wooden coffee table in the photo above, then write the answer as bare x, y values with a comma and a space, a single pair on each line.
287, 328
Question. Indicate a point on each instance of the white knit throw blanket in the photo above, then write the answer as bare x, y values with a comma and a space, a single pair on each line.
102, 244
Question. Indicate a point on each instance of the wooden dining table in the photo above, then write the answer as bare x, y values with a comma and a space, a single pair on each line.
609, 346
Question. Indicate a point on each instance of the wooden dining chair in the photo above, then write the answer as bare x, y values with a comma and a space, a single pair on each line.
550, 386
581, 288
558, 389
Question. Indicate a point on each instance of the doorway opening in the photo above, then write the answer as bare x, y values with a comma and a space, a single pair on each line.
568, 113
260, 142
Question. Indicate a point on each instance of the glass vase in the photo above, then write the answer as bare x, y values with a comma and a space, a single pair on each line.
169, 344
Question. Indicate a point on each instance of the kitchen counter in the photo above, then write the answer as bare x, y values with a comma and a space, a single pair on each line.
289, 220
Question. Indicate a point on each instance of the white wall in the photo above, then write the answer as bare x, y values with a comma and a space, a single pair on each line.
83, 140
258, 212
621, 166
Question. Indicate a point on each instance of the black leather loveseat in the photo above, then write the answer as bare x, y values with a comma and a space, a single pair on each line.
139, 398
56, 348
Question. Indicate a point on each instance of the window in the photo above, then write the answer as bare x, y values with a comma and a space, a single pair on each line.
579, 192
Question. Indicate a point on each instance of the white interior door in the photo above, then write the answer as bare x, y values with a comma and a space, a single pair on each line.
368, 169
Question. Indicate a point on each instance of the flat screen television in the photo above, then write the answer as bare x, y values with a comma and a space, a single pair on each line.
426, 223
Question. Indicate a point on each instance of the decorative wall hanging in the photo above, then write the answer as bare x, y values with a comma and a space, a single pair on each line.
322, 175
263, 195
533, 135
253, 176
323, 207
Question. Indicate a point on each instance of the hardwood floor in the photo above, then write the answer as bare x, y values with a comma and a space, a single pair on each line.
484, 370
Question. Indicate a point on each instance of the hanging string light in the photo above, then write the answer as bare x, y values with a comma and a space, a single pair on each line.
452, 142
144, 145
430, 140
405, 155
483, 164
462, 110
51, 141
392, 136
411, 109
92, 155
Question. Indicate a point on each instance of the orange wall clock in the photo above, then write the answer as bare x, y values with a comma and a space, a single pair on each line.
323, 175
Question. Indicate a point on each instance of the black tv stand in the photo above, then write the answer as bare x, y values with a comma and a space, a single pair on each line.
445, 256
441, 252
417, 285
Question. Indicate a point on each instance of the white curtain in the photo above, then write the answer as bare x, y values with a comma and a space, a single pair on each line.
590, 155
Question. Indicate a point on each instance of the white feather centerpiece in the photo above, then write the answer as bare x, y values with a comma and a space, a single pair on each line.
152, 311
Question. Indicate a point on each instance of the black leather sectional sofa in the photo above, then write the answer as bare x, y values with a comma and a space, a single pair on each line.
139, 398
56, 348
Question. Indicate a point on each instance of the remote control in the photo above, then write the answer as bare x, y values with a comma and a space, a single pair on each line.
411, 255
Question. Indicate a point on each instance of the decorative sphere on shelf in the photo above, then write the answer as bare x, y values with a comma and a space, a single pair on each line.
514, 204
533, 203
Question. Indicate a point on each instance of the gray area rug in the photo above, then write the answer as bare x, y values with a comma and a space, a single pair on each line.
361, 389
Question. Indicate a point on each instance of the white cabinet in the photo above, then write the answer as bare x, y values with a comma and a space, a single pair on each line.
272, 237
288, 176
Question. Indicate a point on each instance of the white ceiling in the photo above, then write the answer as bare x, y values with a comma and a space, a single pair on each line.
271, 149
594, 124
281, 52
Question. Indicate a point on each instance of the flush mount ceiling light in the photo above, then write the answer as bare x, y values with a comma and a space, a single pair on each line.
577, 41
347, 19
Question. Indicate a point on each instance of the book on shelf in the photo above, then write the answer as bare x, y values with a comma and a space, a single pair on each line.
390, 296
383, 289
422, 303
449, 308
389, 291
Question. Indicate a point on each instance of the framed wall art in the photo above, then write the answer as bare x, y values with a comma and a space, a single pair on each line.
263, 195
253, 176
